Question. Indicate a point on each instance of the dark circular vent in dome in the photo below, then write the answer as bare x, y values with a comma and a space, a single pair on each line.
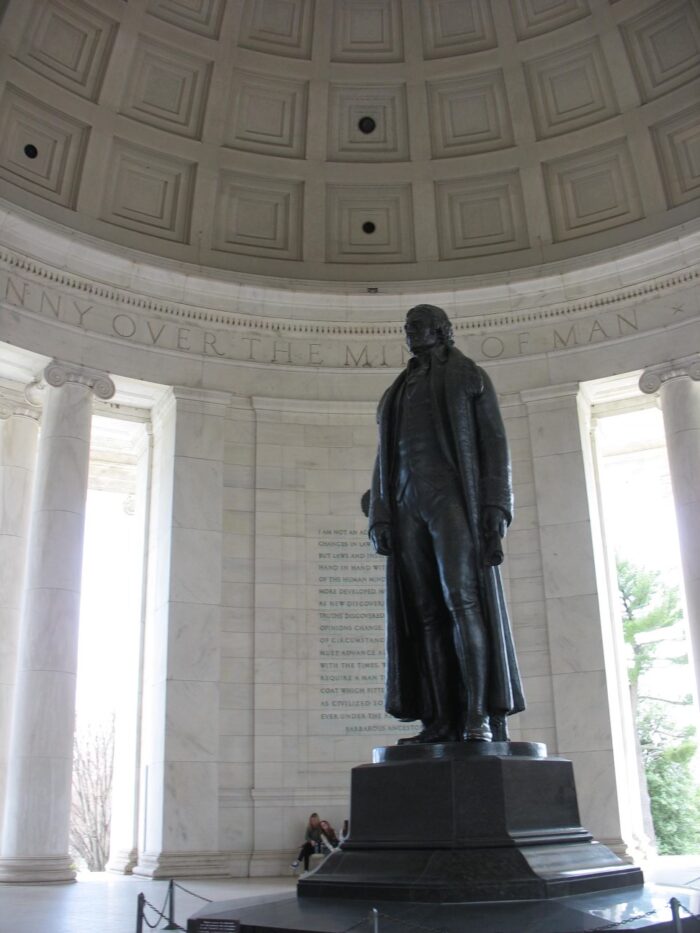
367, 125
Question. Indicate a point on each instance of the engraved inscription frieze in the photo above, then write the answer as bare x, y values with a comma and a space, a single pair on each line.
101, 312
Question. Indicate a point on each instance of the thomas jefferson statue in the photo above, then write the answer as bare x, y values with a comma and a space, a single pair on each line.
440, 503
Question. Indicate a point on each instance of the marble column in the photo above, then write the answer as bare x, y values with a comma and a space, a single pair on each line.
678, 384
38, 795
18, 440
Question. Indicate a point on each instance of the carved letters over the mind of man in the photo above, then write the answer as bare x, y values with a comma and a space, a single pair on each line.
440, 503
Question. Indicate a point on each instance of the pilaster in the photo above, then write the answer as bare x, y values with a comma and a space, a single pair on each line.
180, 745
580, 689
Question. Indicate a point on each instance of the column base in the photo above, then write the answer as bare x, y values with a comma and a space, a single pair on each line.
123, 861
183, 865
37, 870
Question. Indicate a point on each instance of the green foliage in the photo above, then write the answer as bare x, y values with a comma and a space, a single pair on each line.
649, 605
675, 797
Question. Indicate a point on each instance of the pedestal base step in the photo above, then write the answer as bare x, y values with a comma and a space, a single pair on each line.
466, 822
646, 908
449, 875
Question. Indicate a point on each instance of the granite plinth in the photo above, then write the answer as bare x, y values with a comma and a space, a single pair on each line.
466, 822
644, 908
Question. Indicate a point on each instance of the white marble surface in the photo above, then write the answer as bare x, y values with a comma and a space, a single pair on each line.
182, 660
680, 402
39, 770
18, 441
580, 703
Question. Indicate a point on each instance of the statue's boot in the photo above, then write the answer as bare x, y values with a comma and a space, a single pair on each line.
471, 648
440, 728
499, 727
432, 734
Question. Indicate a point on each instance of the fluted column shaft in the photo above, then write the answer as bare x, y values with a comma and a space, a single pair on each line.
18, 440
37, 801
678, 384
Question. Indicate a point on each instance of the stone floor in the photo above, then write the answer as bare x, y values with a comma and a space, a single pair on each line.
106, 903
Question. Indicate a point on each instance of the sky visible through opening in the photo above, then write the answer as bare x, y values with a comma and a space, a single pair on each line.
109, 605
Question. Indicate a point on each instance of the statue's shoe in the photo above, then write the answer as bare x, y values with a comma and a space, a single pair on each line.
477, 729
499, 727
431, 735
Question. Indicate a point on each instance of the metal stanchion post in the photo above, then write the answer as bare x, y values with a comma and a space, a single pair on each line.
675, 904
171, 925
374, 920
139, 912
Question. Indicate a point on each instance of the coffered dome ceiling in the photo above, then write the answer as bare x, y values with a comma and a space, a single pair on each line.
354, 141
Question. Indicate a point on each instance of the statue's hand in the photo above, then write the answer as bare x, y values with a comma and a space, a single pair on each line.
493, 521
380, 536
494, 524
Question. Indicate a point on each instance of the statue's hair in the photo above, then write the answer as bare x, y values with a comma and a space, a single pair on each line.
440, 322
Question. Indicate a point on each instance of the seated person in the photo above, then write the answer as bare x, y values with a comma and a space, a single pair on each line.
329, 837
312, 842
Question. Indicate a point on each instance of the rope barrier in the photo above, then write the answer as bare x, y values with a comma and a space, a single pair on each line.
618, 923
169, 902
683, 907
161, 916
193, 893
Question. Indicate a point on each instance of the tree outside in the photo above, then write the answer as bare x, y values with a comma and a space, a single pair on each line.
91, 805
665, 747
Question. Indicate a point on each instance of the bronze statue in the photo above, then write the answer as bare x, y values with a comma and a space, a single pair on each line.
440, 503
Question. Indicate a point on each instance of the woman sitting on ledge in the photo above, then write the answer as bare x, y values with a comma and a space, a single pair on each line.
329, 837
312, 842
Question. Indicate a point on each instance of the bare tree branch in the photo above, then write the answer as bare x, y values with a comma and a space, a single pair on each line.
91, 805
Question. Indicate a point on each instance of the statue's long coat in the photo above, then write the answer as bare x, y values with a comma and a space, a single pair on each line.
472, 439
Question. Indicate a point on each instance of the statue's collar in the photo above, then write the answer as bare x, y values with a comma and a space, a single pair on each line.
437, 354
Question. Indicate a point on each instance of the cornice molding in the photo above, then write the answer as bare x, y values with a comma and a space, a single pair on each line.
182, 312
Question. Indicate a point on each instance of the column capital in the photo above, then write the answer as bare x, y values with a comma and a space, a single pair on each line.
655, 376
58, 373
18, 403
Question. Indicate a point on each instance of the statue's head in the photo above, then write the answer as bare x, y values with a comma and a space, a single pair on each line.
427, 326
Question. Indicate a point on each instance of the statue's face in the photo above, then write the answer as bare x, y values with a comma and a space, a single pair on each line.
420, 331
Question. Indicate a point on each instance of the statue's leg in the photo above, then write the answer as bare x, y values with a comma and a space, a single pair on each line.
436, 648
471, 647
422, 589
456, 560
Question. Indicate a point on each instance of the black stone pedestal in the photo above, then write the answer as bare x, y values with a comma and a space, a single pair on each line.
466, 822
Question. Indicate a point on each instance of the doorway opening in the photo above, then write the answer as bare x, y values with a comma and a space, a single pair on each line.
109, 647
643, 569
